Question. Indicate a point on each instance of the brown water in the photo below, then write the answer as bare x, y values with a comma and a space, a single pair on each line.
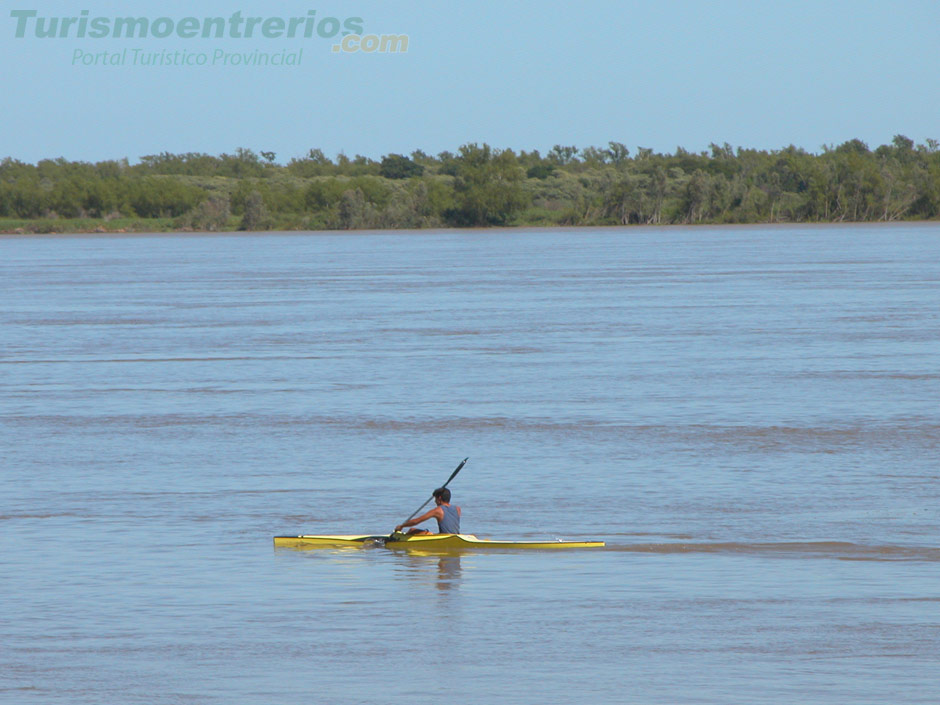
748, 416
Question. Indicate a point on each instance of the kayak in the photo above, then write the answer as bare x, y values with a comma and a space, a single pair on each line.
430, 543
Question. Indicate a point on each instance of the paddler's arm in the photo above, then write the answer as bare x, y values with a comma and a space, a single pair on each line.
436, 513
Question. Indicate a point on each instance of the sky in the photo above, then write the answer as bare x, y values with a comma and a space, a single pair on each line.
516, 74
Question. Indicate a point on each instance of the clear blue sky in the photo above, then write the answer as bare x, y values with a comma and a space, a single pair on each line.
521, 74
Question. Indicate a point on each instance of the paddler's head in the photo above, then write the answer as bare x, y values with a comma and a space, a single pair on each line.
442, 495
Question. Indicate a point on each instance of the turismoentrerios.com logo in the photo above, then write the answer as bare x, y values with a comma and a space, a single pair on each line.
348, 32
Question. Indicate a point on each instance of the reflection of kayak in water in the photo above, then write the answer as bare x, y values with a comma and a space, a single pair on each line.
431, 543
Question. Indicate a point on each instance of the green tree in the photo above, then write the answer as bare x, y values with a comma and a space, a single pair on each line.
162, 197
617, 153
212, 214
255, 216
563, 155
354, 211
314, 164
396, 166
540, 171
323, 194
487, 188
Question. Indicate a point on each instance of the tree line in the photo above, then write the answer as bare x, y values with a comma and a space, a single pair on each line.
479, 185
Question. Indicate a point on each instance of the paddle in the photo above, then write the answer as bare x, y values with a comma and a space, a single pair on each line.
415, 513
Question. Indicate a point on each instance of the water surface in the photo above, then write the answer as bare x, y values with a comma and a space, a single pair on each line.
748, 416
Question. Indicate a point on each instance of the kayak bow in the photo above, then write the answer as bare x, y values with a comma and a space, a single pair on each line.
431, 543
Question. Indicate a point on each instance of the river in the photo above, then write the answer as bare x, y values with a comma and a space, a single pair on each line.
748, 416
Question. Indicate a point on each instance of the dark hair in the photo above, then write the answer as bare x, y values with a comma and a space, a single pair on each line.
443, 493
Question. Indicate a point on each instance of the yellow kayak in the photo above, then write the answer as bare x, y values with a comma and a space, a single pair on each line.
430, 543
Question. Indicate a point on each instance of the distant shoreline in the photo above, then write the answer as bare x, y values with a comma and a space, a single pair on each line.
478, 186
142, 230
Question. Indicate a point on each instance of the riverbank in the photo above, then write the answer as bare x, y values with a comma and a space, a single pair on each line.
147, 226
78, 226
479, 186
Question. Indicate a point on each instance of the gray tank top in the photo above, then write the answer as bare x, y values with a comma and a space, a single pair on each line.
450, 524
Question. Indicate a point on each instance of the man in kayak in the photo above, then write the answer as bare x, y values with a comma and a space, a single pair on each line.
448, 516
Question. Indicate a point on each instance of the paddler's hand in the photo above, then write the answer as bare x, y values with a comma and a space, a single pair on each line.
399, 528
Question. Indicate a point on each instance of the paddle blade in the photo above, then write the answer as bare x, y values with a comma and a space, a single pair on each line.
454, 473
